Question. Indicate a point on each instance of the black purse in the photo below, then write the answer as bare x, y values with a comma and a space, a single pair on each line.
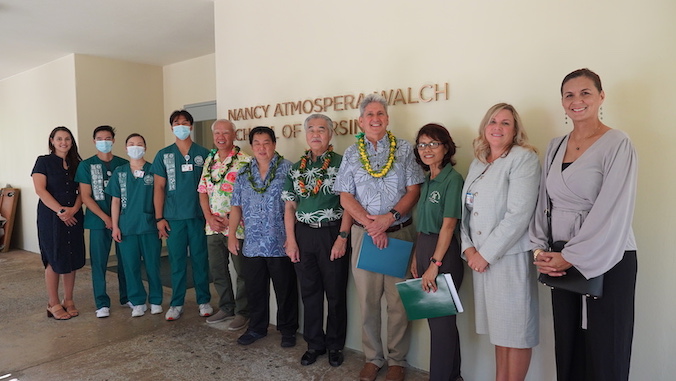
573, 281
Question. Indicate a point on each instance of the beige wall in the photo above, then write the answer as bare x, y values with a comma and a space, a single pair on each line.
187, 82
489, 52
125, 95
32, 104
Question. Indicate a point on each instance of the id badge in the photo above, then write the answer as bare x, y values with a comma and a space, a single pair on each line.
138, 173
186, 168
469, 200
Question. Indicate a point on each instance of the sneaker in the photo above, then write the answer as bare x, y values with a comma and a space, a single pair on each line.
174, 312
103, 312
219, 317
206, 310
128, 304
139, 310
249, 337
238, 323
155, 309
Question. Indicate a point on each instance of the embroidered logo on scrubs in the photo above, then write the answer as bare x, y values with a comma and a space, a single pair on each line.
434, 197
122, 177
199, 161
148, 179
170, 164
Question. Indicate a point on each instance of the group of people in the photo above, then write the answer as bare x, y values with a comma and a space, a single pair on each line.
296, 224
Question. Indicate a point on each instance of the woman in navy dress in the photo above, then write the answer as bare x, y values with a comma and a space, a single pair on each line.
60, 229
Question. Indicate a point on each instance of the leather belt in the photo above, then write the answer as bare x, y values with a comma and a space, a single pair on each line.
392, 228
322, 224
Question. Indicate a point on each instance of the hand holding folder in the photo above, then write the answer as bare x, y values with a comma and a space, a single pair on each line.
392, 260
420, 304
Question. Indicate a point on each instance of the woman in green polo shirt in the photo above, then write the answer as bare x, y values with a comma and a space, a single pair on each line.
133, 215
437, 248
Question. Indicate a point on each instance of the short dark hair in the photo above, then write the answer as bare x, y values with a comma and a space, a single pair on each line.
262, 130
583, 73
103, 128
183, 113
133, 135
439, 133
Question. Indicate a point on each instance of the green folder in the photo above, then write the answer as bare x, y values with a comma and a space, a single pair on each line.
420, 304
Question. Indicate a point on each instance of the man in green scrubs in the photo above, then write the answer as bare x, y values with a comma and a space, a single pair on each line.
177, 169
93, 175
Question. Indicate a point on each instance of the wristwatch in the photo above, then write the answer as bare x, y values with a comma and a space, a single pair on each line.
396, 214
62, 211
435, 262
159, 219
343, 234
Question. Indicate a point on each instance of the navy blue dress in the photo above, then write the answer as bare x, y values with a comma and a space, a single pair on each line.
61, 246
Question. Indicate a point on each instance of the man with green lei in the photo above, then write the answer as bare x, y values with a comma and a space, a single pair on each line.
317, 229
93, 175
178, 215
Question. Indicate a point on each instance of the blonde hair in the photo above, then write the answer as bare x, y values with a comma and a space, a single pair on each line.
481, 148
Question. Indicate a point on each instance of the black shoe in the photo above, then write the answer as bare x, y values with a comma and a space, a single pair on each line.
335, 357
310, 356
249, 337
288, 341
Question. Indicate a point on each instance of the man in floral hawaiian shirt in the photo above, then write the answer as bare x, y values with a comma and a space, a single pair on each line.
379, 182
215, 189
317, 229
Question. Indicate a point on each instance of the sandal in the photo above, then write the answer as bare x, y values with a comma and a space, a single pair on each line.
57, 312
69, 306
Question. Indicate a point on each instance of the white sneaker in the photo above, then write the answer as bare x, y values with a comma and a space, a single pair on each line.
139, 310
174, 312
128, 304
103, 312
155, 309
206, 310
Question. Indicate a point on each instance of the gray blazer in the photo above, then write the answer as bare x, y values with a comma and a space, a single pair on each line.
505, 193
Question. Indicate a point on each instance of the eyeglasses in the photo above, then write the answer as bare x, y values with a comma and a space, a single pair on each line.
432, 145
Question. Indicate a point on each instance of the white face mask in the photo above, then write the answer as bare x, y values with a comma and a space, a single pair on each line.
181, 132
136, 152
104, 146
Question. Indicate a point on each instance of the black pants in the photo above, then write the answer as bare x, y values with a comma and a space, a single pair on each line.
257, 274
444, 338
602, 352
319, 275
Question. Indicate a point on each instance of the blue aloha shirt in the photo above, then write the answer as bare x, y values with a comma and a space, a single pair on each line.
263, 214
379, 195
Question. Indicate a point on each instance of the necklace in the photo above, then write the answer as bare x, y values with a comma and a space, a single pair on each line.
578, 144
363, 156
221, 172
270, 178
319, 179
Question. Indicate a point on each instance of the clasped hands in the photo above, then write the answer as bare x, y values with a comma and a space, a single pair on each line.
376, 227
552, 263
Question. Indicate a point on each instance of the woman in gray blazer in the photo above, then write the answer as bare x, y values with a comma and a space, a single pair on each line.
499, 197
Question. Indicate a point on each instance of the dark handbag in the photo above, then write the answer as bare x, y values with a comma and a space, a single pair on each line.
573, 281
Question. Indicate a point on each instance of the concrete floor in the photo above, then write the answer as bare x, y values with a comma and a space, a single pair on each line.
33, 347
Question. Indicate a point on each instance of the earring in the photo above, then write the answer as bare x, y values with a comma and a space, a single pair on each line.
565, 118
601, 113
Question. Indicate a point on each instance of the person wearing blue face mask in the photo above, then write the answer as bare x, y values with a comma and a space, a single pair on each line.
134, 228
93, 175
178, 214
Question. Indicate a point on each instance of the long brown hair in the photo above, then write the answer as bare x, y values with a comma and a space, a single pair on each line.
73, 158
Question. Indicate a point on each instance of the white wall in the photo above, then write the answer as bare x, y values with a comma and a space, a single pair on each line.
32, 104
518, 52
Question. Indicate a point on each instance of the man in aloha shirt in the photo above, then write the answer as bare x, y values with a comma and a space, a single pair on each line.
316, 241
257, 199
379, 182
215, 189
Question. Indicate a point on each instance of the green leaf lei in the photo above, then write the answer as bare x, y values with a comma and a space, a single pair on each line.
221, 173
270, 178
363, 156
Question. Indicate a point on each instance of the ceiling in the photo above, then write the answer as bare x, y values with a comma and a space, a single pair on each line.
157, 32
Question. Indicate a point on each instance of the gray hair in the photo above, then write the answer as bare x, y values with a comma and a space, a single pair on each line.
222, 121
372, 98
329, 122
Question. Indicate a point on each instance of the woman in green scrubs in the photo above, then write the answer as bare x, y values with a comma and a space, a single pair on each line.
133, 215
